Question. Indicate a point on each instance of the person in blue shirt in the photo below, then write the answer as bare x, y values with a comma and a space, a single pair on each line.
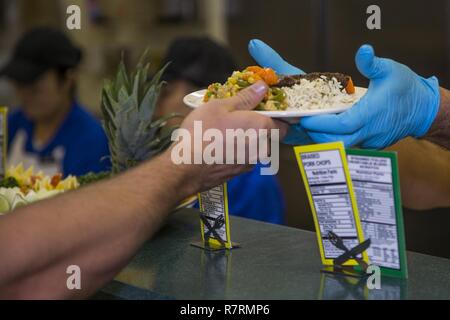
194, 63
51, 131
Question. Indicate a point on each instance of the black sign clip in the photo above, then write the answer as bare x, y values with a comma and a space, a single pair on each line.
354, 253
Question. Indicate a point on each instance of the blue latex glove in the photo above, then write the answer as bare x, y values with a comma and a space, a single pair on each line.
266, 57
399, 103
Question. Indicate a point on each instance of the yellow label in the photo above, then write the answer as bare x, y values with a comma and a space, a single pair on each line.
214, 207
330, 192
3, 139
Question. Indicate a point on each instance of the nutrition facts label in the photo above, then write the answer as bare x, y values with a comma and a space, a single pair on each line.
213, 205
373, 184
330, 196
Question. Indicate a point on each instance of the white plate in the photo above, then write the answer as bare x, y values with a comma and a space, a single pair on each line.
195, 100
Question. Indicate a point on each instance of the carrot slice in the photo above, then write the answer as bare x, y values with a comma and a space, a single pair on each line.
270, 77
350, 89
254, 69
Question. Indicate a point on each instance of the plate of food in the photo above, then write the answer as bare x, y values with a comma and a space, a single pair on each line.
290, 96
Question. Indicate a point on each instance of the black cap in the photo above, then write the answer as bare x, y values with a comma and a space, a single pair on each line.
198, 60
38, 51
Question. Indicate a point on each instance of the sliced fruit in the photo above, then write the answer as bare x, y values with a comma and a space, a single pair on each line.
18, 202
4, 205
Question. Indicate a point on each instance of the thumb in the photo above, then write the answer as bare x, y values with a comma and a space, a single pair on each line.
250, 97
370, 65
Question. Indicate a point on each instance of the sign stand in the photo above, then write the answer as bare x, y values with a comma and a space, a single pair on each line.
333, 204
356, 205
354, 253
214, 220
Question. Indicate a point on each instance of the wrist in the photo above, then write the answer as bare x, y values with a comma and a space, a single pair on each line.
432, 107
180, 178
439, 130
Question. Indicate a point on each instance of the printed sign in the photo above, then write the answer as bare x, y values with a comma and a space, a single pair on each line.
376, 183
214, 220
329, 188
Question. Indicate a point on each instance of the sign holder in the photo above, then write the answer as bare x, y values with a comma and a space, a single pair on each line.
333, 203
214, 220
354, 253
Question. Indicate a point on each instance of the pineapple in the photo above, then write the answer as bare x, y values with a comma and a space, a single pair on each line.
128, 106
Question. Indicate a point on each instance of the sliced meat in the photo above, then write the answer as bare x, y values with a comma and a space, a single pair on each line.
289, 81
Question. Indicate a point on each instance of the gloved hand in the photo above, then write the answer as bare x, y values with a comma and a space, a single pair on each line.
266, 57
399, 103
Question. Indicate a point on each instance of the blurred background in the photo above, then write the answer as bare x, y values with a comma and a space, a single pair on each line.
316, 35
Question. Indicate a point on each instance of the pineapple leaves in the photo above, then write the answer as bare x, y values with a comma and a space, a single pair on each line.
142, 60
128, 107
152, 91
161, 122
122, 80
107, 108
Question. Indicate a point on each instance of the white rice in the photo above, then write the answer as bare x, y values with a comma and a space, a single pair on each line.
321, 93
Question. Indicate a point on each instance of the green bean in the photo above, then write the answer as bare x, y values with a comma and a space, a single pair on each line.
278, 94
242, 83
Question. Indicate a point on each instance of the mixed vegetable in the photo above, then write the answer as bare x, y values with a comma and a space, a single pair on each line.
275, 99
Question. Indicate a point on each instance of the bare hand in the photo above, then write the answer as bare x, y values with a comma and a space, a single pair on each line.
233, 113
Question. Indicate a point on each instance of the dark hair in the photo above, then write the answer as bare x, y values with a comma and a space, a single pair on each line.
39, 50
198, 60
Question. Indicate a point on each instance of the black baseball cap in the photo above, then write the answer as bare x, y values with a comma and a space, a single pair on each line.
38, 51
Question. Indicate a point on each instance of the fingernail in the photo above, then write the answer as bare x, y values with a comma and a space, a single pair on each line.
260, 88
253, 42
252, 45
366, 49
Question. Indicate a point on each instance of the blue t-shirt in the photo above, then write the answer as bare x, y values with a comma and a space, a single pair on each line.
258, 197
81, 140
253, 196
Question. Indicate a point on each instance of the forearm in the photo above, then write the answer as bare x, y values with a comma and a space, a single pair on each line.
439, 132
98, 228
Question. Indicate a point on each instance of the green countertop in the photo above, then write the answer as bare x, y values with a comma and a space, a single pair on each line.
275, 262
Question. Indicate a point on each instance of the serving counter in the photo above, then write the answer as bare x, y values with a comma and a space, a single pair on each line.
275, 262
